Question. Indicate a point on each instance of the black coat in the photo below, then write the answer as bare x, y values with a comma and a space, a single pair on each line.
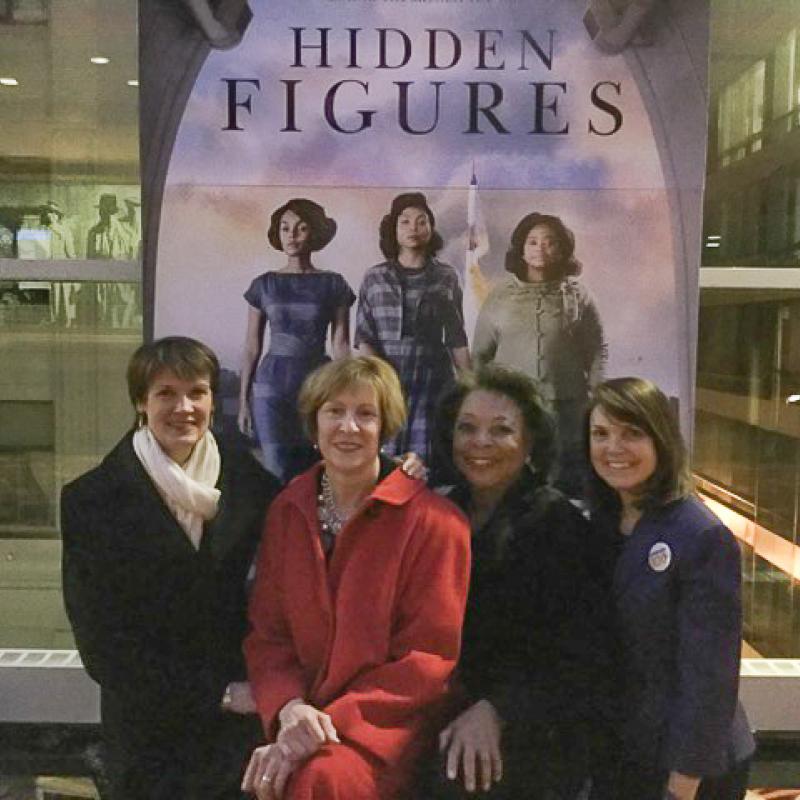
158, 624
537, 640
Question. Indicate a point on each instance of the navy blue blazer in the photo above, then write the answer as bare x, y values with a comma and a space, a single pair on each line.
677, 592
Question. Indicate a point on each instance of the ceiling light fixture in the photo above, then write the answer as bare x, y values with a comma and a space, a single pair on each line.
99, 60
9, 82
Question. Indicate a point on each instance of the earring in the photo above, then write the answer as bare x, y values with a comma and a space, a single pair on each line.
141, 419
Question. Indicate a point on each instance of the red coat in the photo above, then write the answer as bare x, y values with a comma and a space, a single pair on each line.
372, 637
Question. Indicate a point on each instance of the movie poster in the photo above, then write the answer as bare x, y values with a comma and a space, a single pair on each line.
589, 113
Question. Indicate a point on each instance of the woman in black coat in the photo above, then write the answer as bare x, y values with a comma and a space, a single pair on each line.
531, 701
157, 544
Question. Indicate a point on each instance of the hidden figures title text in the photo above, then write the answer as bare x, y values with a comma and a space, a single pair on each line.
504, 64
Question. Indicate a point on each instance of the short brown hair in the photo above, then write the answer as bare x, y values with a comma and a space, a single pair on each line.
639, 402
335, 377
186, 357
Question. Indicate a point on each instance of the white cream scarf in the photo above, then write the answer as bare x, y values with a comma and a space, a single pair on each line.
188, 491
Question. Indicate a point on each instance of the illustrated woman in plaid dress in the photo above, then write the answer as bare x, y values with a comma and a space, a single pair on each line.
410, 314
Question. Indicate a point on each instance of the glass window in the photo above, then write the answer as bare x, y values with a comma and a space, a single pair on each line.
741, 115
70, 279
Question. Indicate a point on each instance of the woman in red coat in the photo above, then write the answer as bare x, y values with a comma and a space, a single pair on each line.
358, 604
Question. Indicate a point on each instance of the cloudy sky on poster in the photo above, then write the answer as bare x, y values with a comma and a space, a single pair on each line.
223, 184
261, 154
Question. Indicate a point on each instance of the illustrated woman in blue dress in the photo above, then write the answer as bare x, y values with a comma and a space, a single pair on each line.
301, 304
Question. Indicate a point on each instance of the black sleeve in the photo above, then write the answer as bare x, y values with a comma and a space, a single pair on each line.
562, 674
115, 618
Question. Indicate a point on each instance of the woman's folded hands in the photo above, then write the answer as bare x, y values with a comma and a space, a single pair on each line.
303, 730
268, 772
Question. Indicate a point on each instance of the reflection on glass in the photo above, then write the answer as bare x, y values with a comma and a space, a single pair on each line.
69, 137
43, 222
24, 12
100, 307
747, 448
752, 199
66, 345
27, 473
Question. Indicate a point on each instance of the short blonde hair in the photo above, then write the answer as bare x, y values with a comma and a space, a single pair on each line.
336, 377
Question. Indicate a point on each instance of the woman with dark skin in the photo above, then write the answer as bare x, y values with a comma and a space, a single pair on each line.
410, 314
542, 320
675, 577
301, 304
157, 544
530, 698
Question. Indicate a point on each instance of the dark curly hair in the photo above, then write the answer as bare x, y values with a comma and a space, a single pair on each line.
640, 402
517, 387
566, 239
388, 230
323, 228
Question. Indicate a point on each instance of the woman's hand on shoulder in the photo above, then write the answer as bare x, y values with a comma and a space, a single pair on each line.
413, 466
304, 729
268, 772
471, 746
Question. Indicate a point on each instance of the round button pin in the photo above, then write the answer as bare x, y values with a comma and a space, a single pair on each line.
659, 557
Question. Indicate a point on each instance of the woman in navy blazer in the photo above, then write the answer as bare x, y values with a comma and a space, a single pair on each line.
675, 576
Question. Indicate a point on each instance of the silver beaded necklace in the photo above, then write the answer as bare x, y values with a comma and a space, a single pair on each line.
331, 519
